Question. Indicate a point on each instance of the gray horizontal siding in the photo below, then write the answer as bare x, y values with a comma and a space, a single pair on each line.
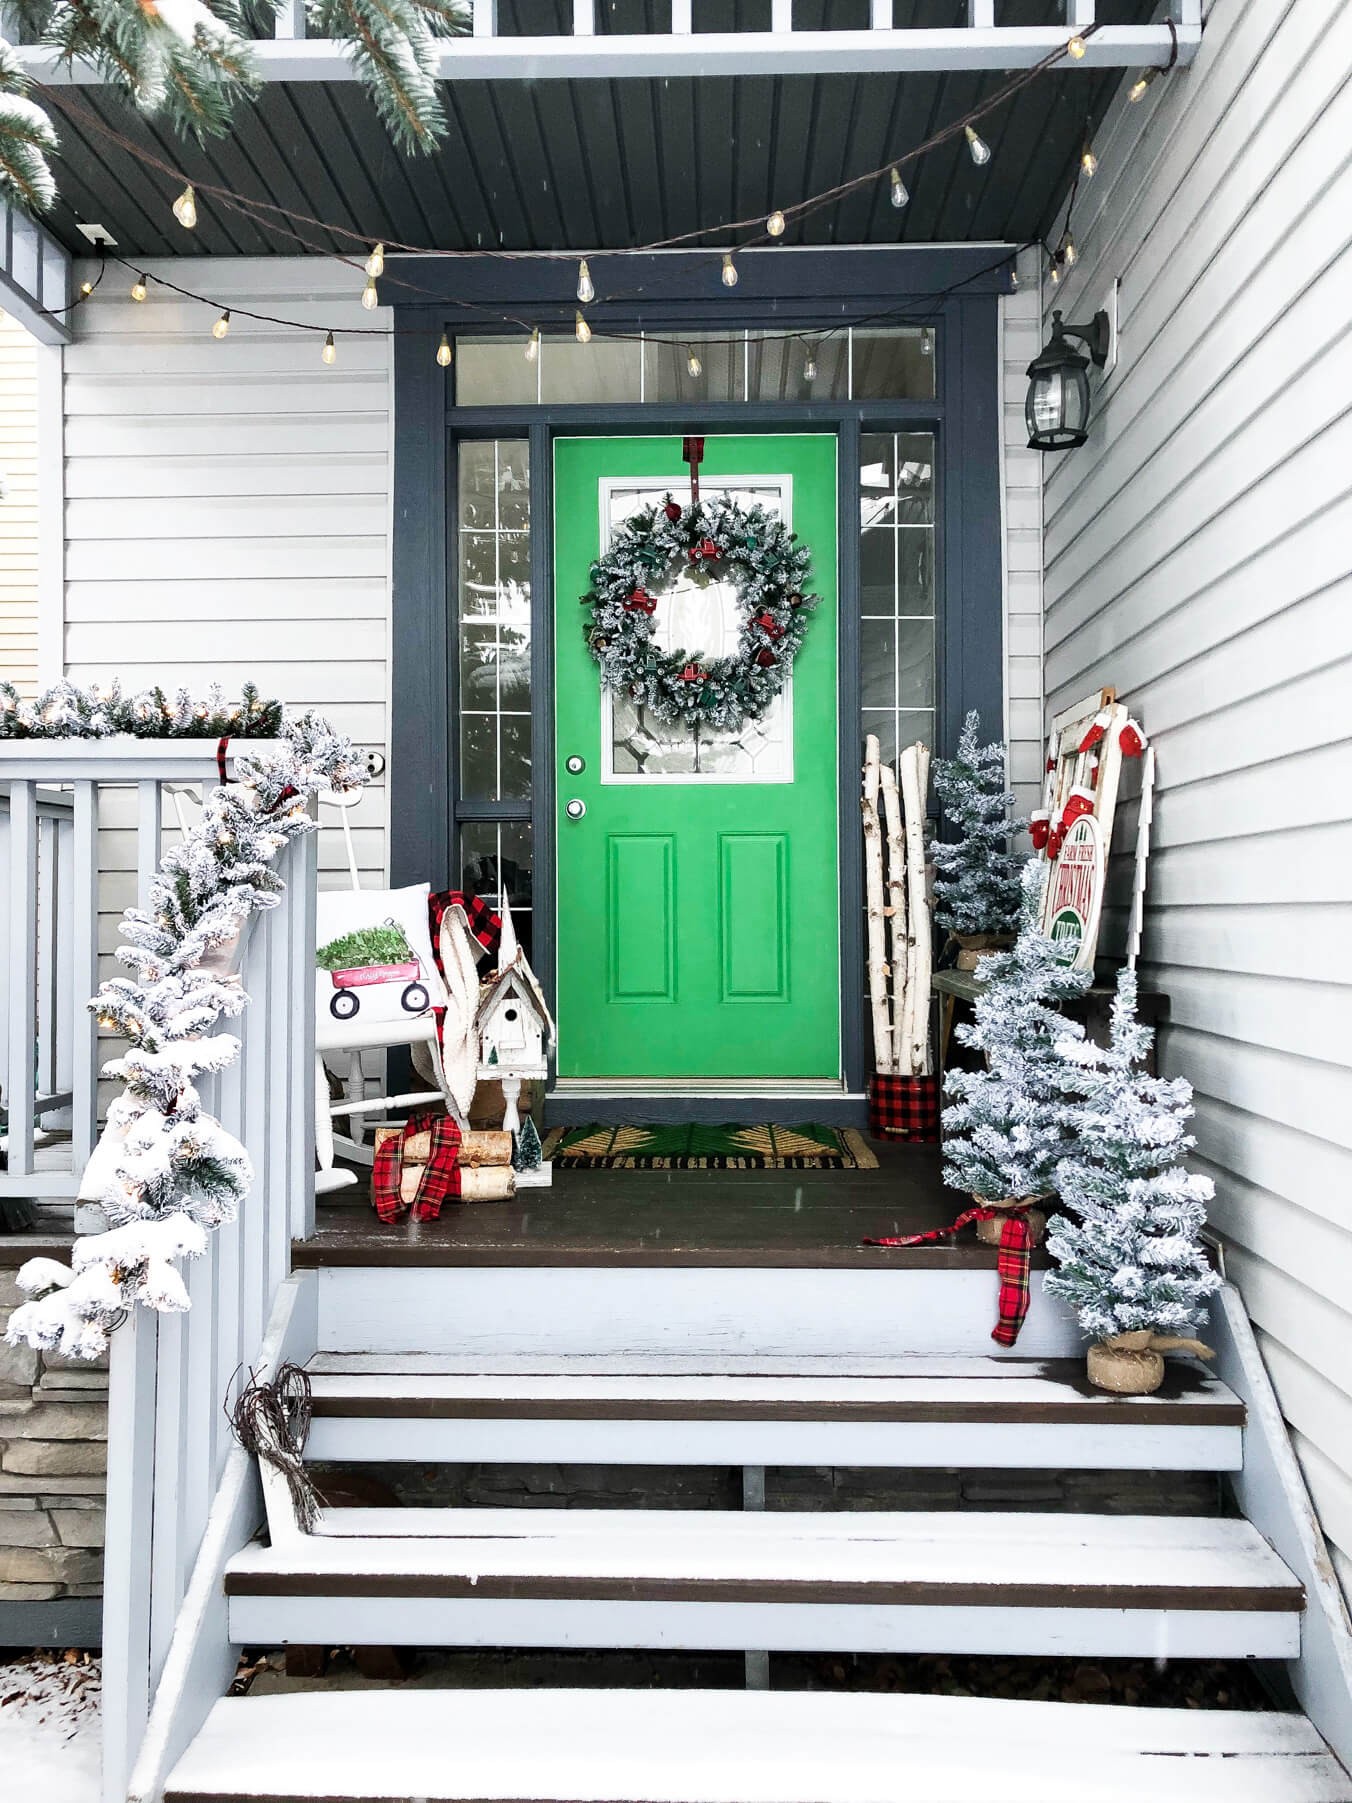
1197, 555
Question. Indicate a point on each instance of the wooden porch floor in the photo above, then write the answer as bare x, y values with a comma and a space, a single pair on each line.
712, 1218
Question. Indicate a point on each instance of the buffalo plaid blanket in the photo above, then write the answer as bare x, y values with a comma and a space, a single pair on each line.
484, 922
1012, 1262
440, 1181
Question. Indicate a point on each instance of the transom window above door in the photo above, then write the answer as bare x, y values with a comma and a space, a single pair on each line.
853, 363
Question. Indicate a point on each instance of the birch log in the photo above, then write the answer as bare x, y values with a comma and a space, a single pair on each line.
896, 910
913, 766
873, 891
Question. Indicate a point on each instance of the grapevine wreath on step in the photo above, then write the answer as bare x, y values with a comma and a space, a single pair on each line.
711, 541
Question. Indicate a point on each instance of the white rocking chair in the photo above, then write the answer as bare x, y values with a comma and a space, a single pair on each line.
416, 1030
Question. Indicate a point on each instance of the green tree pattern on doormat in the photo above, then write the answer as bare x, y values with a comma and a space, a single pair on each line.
688, 1146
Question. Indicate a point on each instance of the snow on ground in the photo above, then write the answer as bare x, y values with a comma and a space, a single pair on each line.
49, 1730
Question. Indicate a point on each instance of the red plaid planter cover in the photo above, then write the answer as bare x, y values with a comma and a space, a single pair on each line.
904, 1107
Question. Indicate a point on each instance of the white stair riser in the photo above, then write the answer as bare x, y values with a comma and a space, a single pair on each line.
773, 1627
972, 1445
457, 1310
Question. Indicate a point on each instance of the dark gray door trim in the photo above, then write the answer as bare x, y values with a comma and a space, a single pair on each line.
969, 627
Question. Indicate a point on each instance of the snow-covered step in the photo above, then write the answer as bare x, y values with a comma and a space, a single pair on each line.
979, 1412
644, 1746
862, 1581
486, 1310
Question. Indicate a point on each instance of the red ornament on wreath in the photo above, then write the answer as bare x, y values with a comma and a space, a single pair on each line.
759, 571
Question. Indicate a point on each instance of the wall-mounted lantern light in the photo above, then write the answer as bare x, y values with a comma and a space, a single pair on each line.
1057, 408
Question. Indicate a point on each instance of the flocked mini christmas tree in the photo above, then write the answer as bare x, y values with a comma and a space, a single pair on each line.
526, 1149
1008, 1125
1129, 1254
976, 875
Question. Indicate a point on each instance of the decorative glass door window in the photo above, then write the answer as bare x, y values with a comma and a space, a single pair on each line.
702, 618
897, 588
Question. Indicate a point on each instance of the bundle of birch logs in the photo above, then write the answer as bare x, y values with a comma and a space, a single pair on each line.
899, 950
484, 1161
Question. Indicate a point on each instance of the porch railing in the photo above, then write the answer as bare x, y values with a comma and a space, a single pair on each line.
85, 824
688, 47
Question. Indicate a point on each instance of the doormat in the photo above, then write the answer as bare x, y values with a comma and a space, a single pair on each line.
690, 1147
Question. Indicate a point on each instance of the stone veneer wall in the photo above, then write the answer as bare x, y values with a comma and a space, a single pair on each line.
53, 1445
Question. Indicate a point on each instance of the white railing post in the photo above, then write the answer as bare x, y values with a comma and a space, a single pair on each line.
485, 18
22, 987
290, 17
584, 18
300, 1173
84, 973
128, 1576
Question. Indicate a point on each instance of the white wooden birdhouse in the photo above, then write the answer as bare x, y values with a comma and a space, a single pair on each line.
513, 1024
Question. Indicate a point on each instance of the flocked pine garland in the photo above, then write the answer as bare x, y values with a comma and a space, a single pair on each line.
168, 1172
67, 711
714, 541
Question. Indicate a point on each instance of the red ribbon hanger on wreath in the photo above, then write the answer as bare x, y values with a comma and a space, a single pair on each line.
692, 449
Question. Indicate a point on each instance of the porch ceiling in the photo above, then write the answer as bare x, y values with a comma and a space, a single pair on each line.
596, 163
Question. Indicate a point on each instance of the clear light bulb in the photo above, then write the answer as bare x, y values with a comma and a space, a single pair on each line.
729, 270
581, 330
693, 365
775, 224
533, 345
138, 289
375, 263
444, 352
810, 366
222, 325
1055, 272
86, 288
1088, 162
370, 299
1068, 250
1013, 278
1139, 86
329, 354
980, 149
185, 208
900, 193
926, 342
1075, 48
586, 290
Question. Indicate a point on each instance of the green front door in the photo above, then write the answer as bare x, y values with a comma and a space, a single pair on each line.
698, 894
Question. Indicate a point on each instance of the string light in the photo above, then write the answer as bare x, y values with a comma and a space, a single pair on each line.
533, 345
810, 365
586, 290
185, 208
1088, 163
329, 354
222, 325
1138, 88
900, 193
138, 289
375, 263
1055, 272
775, 224
729, 270
1066, 251
444, 352
86, 288
693, 365
1075, 48
370, 299
581, 330
980, 149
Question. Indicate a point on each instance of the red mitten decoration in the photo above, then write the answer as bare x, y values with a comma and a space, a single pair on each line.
1040, 829
1131, 741
1079, 801
1056, 841
1098, 730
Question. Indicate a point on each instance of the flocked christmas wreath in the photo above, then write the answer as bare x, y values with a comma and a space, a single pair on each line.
715, 541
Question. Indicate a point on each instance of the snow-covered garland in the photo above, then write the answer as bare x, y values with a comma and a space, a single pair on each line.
167, 1171
67, 711
712, 541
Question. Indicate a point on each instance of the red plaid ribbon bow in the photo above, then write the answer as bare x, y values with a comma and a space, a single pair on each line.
440, 1181
1012, 1261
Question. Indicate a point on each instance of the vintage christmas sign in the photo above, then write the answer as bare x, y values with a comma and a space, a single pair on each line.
1075, 893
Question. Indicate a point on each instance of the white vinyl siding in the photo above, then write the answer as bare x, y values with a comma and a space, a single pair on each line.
19, 508
227, 504
1020, 340
1197, 556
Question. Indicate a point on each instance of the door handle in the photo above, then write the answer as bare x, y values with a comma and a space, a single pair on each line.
575, 808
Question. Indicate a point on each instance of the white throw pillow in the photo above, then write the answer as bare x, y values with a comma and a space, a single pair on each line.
376, 981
